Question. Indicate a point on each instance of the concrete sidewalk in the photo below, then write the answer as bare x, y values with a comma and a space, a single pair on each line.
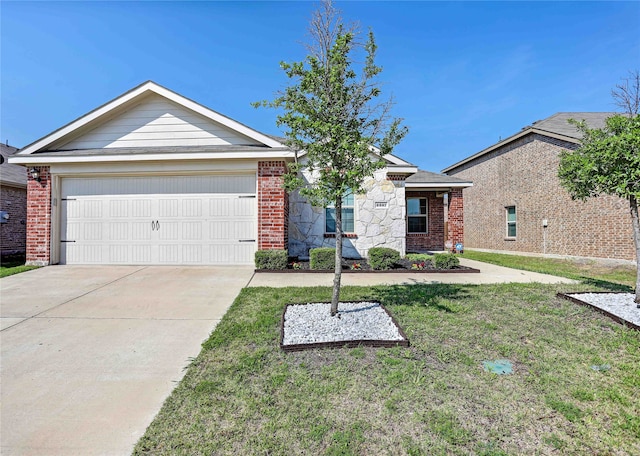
489, 273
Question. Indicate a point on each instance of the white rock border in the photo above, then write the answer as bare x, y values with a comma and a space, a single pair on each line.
358, 323
617, 306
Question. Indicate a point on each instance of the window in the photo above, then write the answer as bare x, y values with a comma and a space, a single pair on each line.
348, 223
511, 221
417, 215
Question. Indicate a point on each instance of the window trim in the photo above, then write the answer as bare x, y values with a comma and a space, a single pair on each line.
351, 206
425, 215
509, 223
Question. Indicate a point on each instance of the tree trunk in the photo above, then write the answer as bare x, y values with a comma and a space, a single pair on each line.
636, 237
335, 297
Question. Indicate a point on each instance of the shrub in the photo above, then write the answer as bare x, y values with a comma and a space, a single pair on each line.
271, 259
419, 257
322, 258
383, 258
445, 260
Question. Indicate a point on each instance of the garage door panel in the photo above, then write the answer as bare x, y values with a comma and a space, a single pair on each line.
119, 231
192, 231
141, 231
141, 208
119, 254
159, 228
192, 208
140, 254
169, 254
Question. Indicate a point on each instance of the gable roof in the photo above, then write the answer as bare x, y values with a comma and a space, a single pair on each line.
556, 126
12, 175
428, 179
105, 112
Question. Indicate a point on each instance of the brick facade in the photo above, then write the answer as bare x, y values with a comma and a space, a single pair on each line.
13, 233
434, 238
455, 225
273, 206
39, 219
524, 174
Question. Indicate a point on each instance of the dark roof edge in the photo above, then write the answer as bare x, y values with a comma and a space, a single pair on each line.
524, 132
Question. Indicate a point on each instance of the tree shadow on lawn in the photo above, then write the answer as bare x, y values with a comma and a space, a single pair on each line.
610, 286
420, 295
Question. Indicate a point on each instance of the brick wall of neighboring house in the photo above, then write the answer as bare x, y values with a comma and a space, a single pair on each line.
13, 233
434, 238
524, 174
273, 206
39, 218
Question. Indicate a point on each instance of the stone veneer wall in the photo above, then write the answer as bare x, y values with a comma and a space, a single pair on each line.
524, 174
39, 219
374, 226
13, 233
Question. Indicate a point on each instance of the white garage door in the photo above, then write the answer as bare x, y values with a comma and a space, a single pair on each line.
159, 220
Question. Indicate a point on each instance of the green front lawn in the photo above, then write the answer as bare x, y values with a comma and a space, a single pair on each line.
13, 265
243, 395
590, 271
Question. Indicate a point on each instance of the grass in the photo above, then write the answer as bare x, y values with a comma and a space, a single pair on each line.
13, 265
612, 277
243, 395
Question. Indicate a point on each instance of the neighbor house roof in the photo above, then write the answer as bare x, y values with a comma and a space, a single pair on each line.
556, 126
13, 175
435, 180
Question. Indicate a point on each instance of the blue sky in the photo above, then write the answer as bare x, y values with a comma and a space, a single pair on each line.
463, 74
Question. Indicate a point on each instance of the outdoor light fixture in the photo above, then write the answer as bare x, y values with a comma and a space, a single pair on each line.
35, 174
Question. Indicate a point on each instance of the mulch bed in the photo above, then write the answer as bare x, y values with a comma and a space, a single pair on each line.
403, 266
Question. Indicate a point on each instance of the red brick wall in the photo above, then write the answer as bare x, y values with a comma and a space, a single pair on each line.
456, 217
434, 238
524, 174
273, 206
13, 234
39, 219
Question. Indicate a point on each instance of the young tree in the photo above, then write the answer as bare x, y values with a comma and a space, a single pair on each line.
607, 162
331, 113
626, 95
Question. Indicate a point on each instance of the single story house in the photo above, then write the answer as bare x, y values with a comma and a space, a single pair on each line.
518, 205
13, 204
152, 177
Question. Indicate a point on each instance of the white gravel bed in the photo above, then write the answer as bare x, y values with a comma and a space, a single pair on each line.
618, 304
312, 323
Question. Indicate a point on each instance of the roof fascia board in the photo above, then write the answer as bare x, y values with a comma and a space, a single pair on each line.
42, 159
13, 184
397, 169
508, 140
138, 91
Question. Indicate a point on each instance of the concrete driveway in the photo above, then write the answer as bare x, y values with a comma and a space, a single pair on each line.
89, 353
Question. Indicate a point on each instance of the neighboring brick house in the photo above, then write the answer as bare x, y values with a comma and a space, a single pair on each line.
517, 204
152, 177
13, 204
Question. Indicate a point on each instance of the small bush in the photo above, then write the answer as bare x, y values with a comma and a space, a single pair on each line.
383, 258
322, 258
419, 257
271, 259
445, 260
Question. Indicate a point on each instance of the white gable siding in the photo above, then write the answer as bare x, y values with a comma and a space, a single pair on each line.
157, 122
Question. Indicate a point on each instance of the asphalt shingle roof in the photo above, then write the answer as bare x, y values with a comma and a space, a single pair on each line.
9, 173
427, 177
559, 122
